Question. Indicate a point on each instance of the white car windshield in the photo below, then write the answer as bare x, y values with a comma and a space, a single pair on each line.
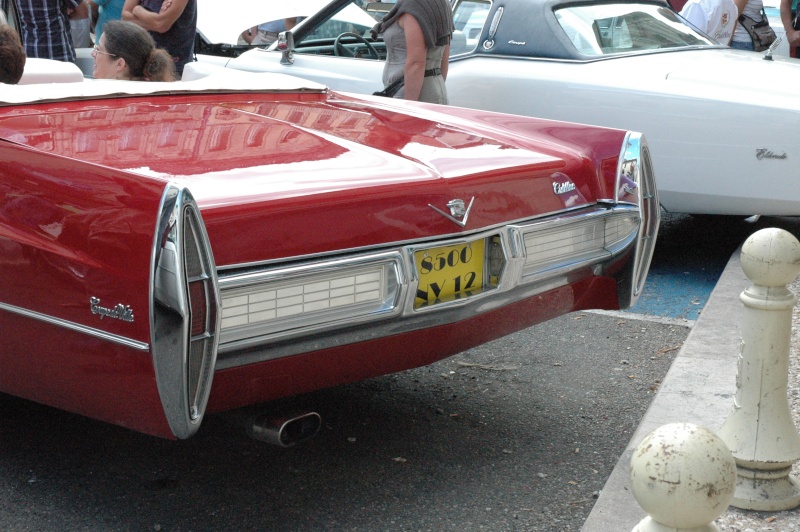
351, 18
603, 29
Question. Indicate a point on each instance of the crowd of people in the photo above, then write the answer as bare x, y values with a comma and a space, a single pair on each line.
153, 40
147, 40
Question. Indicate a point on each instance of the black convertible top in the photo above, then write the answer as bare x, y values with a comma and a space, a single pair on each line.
513, 28
528, 28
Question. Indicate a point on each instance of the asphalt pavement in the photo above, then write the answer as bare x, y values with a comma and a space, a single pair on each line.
700, 385
698, 388
518, 435
532, 432
690, 254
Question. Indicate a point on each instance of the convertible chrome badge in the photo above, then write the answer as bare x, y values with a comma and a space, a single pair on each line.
764, 153
119, 312
458, 212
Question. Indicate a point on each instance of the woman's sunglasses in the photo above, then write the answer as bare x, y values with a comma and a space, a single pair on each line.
97, 49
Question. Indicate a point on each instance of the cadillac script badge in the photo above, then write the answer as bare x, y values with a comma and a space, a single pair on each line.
119, 312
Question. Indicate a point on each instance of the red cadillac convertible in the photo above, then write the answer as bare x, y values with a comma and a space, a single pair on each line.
174, 249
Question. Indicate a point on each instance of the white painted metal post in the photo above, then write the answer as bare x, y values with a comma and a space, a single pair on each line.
683, 476
760, 432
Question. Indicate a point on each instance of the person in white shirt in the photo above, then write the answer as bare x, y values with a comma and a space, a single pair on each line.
752, 9
715, 18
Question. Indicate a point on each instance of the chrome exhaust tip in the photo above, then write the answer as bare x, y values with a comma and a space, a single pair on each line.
284, 430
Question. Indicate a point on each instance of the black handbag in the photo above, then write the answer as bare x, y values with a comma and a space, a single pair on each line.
760, 32
390, 90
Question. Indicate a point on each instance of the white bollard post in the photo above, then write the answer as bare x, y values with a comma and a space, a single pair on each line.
760, 432
683, 476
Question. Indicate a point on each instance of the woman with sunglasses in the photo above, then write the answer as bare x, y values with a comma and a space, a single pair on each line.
127, 51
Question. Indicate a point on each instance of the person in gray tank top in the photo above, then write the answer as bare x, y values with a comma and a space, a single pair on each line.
417, 36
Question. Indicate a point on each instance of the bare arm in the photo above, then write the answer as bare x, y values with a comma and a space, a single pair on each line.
159, 22
445, 61
128, 8
249, 35
792, 35
740, 7
415, 62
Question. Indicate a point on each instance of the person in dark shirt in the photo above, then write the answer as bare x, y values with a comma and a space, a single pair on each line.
172, 23
12, 55
45, 30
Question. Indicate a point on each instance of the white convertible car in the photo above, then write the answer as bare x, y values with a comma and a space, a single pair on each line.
721, 123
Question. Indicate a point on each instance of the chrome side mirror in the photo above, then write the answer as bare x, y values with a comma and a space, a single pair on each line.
286, 47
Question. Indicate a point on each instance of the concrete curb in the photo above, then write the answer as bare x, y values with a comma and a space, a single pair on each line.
698, 388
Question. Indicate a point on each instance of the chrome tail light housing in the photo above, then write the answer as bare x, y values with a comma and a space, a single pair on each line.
636, 184
185, 312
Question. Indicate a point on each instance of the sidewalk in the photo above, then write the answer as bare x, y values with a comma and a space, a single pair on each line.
699, 388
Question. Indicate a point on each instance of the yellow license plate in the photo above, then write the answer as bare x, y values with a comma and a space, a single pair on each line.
450, 272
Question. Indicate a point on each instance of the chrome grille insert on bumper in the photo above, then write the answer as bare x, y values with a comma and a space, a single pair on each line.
318, 295
576, 240
265, 304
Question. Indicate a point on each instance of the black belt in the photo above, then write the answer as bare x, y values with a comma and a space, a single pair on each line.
397, 84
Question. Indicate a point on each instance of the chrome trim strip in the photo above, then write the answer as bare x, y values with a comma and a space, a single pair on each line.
257, 277
514, 277
635, 149
221, 270
91, 331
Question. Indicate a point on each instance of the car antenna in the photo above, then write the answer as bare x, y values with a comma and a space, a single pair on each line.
772, 47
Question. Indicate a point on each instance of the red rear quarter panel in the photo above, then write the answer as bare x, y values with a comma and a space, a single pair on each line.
70, 232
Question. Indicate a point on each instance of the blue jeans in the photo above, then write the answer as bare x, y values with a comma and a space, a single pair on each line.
741, 45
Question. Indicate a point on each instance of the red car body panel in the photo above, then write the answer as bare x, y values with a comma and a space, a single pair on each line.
63, 242
240, 156
277, 176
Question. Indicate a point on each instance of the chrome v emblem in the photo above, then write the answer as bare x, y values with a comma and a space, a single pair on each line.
458, 213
